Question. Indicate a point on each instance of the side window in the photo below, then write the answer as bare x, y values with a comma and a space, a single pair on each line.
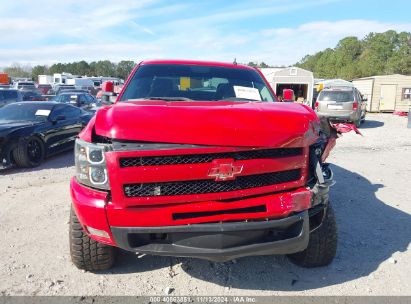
406, 94
64, 98
83, 100
89, 98
58, 110
71, 112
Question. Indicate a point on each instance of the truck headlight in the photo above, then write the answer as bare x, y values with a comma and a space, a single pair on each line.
91, 169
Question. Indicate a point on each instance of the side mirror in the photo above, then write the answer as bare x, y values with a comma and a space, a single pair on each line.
58, 118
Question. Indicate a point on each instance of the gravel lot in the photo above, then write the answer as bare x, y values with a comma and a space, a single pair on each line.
372, 200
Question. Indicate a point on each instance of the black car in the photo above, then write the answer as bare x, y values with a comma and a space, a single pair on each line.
65, 91
32, 95
32, 131
61, 87
9, 95
83, 100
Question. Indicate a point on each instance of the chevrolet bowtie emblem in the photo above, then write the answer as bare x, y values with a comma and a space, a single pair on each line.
224, 170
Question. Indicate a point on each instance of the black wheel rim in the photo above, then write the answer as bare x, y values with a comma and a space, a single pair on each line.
34, 151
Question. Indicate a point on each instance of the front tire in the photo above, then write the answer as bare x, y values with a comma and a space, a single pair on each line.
86, 253
322, 246
29, 152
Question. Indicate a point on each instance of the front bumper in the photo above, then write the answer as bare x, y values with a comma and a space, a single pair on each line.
215, 240
350, 117
218, 241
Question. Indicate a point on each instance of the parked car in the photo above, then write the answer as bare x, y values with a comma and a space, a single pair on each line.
78, 99
44, 88
341, 104
10, 95
32, 131
27, 87
198, 159
32, 95
74, 91
88, 89
57, 89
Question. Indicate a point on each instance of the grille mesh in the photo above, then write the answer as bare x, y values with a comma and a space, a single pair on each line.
210, 186
206, 158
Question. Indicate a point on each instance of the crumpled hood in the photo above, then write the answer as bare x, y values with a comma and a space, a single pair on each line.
248, 124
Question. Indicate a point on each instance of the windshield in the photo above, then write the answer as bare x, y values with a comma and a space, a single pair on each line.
66, 87
338, 96
174, 82
67, 98
25, 111
25, 84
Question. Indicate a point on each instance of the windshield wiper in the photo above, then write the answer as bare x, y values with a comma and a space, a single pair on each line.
238, 99
164, 98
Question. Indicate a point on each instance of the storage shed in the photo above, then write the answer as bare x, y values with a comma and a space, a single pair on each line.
386, 93
299, 80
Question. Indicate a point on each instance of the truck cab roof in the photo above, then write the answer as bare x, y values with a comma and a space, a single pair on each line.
197, 62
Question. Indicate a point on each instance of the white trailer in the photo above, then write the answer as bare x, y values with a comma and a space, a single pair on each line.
80, 82
98, 81
61, 78
45, 79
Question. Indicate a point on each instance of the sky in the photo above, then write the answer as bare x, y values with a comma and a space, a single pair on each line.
271, 31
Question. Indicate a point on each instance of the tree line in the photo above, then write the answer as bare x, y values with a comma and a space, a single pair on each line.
376, 54
258, 65
96, 68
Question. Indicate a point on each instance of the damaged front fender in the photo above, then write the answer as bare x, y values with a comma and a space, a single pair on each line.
332, 131
320, 172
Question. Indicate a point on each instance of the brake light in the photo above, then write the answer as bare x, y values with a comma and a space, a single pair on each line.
316, 105
355, 105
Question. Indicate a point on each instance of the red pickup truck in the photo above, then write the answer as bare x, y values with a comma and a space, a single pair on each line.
199, 159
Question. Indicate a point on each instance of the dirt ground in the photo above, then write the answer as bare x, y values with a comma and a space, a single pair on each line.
372, 200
